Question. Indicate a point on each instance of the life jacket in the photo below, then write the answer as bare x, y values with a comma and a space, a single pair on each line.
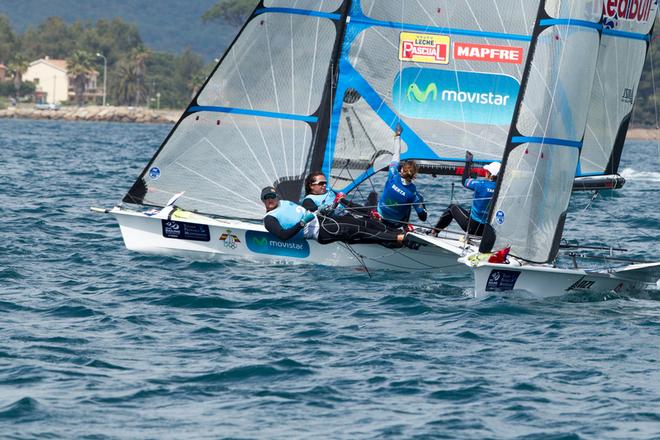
288, 214
326, 199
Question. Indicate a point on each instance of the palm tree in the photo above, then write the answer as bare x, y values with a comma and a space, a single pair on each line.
128, 84
139, 56
80, 65
18, 66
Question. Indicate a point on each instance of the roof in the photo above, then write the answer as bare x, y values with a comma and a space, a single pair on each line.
57, 64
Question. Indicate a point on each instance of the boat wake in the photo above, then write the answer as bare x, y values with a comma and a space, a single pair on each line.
647, 176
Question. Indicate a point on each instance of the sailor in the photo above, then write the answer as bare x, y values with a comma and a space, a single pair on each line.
319, 197
474, 221
400, 193
287, 220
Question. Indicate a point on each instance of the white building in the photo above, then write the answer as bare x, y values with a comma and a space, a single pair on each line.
52, 80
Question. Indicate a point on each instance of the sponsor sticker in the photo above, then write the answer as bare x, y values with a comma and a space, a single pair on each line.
154, 173
501, 280
499, 217
628, 10
185, 231
488, 53
424, 48
581, 284
458, 96
266, 243
230, 239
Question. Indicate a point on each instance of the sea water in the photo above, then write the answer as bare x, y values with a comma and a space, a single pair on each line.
97, 342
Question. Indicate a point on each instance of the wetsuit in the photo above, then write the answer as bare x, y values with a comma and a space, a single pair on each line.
397, 198
286, 222
474, 221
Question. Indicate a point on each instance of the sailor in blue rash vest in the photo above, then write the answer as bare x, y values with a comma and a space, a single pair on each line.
474, 221
287, 220
400, 193
319, 197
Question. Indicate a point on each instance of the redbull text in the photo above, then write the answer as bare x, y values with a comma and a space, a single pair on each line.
633, 10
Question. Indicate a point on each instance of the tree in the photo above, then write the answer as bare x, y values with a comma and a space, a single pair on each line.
139, 56
52, 38
235, 12
18, 66
80, 65
7, 40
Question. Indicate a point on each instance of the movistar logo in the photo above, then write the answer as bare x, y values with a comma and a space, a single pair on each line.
415, 93
260, 241
265, 243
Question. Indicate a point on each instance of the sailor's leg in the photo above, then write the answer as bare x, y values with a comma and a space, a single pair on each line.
461, 215
487, 239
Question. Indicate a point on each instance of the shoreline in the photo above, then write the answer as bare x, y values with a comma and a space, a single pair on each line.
95, 113
145, 115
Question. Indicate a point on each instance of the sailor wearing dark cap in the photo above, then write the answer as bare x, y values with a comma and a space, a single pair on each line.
288, 220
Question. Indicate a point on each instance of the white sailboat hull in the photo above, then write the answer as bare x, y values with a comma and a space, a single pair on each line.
546, 281
208, 238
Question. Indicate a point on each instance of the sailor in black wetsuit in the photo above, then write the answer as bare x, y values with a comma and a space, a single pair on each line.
319, 197
287, 220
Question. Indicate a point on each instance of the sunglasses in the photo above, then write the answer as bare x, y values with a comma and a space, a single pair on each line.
270, 197
319, 183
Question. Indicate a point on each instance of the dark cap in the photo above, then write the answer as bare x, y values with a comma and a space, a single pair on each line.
269, 190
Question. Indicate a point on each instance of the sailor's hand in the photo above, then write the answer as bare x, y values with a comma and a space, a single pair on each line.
308, 217
339, 197
468, 157
325, 209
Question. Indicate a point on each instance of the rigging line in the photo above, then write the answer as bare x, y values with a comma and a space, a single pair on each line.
217, 184
256, 120
231, 208
277, 99
235, 167
247, 144
655, 98
358, 257
293, 97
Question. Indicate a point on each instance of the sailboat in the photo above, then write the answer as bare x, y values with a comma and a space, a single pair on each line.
324, 85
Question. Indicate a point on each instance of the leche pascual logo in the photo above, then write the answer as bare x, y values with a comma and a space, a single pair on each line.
424, 48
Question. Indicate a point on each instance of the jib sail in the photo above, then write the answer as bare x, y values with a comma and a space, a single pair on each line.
624, 43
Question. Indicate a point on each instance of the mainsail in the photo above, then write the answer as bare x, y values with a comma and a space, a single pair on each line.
256, 119
543, 150
448, 72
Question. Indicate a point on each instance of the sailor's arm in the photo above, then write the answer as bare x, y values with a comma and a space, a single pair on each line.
467, 170
273, 226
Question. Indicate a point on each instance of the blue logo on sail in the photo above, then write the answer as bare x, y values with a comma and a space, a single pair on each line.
444, 95
265, 243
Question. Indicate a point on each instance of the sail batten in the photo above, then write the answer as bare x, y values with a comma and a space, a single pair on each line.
243, 111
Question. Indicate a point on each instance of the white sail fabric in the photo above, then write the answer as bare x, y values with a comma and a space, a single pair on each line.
620, 63
540, 164
461, 97
253, 124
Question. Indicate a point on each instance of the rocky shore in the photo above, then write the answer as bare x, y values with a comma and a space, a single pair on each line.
95, 113
144, 115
